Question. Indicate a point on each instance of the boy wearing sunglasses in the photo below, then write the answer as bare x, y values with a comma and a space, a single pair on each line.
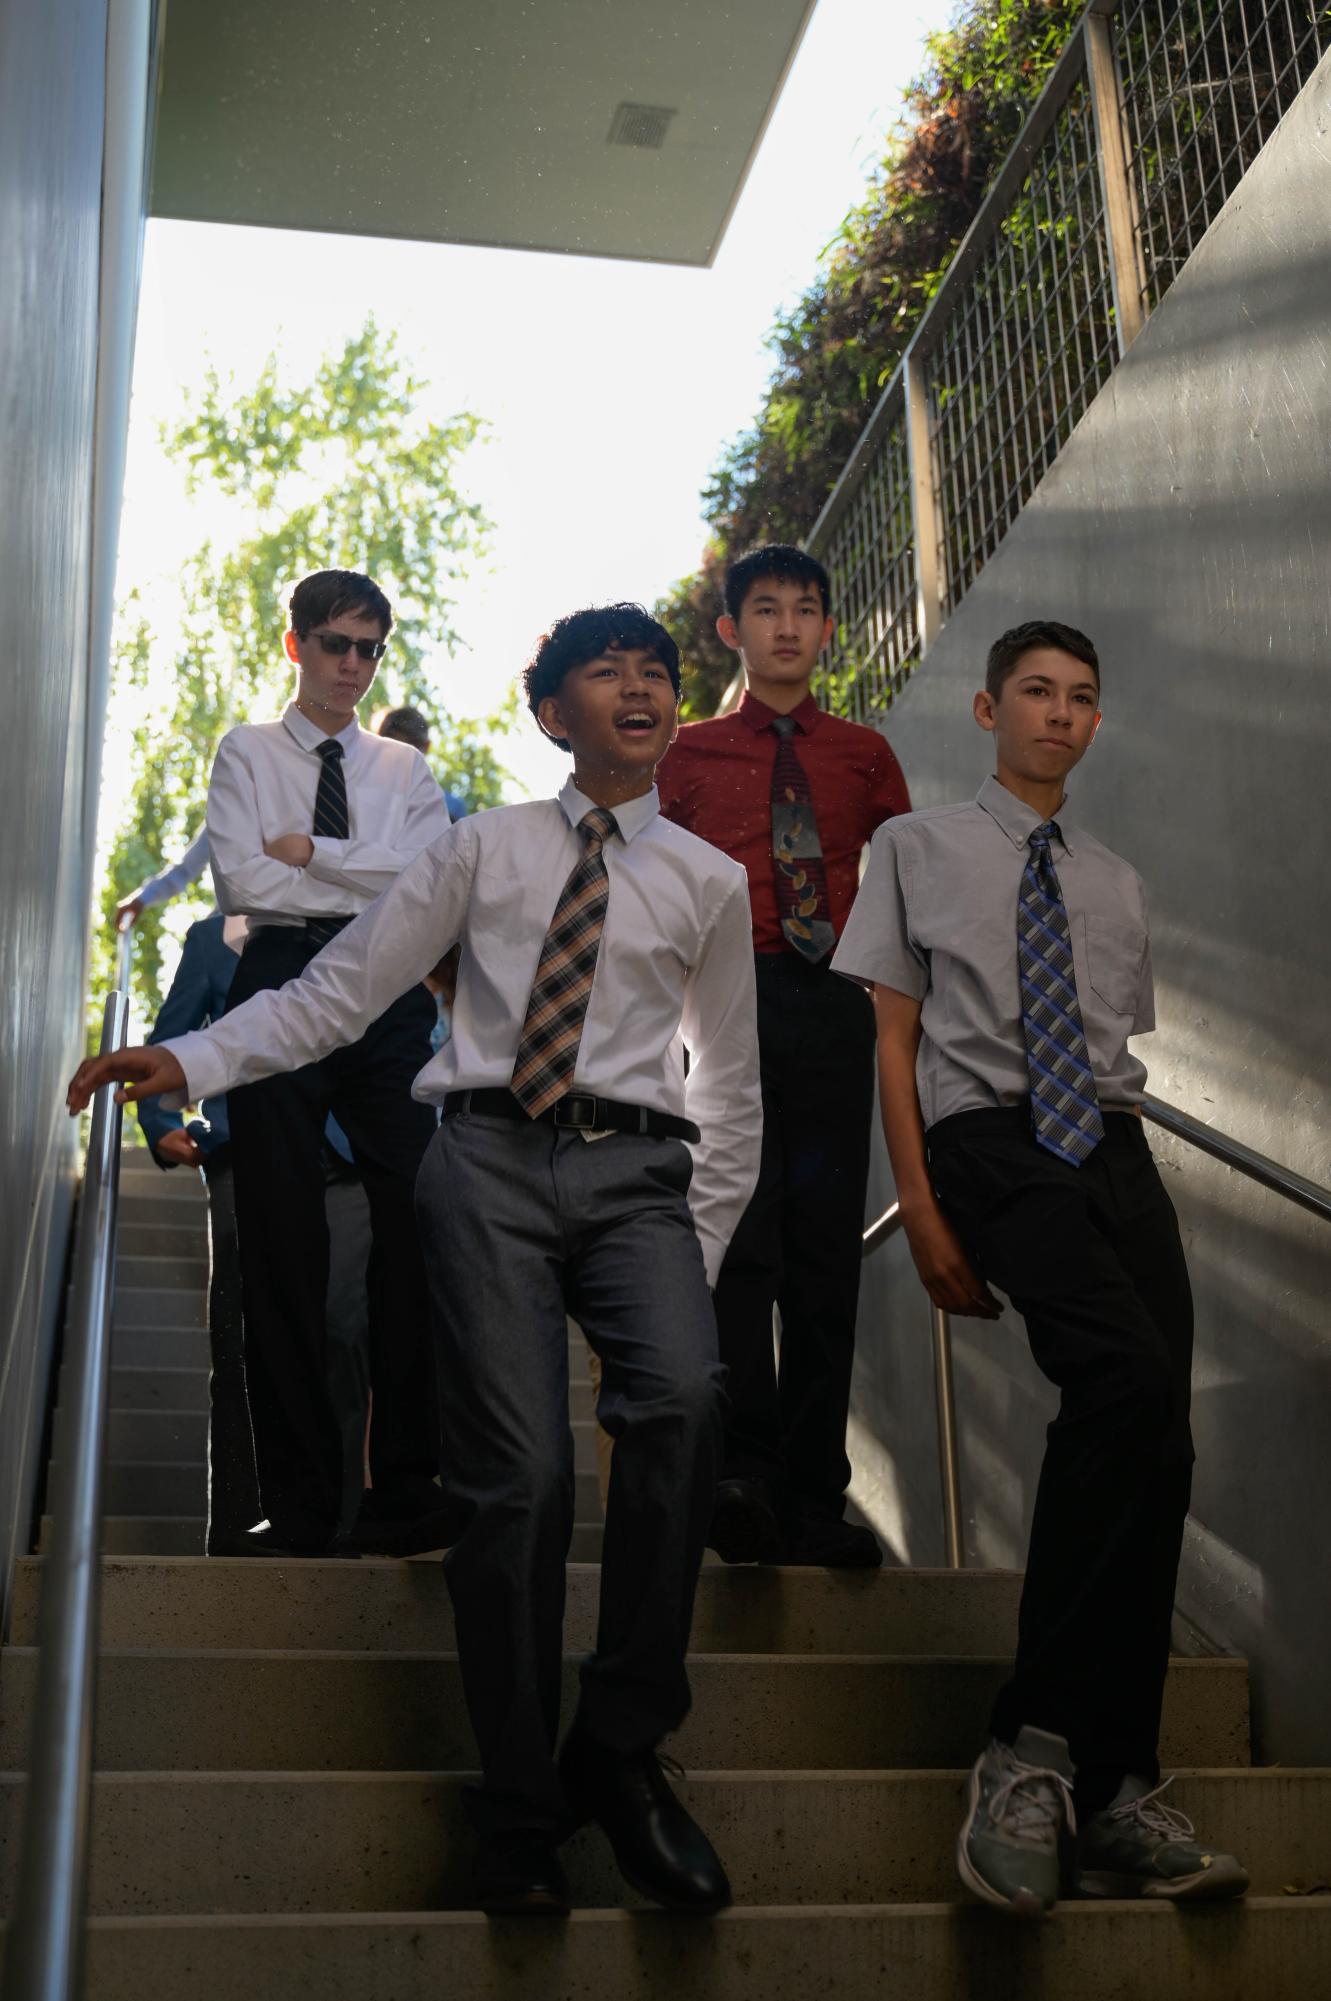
310, 818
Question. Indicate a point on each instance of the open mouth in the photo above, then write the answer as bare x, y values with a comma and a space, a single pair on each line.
636, 722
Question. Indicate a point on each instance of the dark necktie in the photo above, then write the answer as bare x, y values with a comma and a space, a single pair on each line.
332, 821
1065, 1111
797, 852
548, 1049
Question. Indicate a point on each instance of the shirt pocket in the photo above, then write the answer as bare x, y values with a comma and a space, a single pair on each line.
1114, 954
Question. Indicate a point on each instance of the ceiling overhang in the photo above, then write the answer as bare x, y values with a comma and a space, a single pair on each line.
612, 128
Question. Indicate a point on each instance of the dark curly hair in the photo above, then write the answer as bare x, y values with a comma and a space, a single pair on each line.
1009, 647
585, 635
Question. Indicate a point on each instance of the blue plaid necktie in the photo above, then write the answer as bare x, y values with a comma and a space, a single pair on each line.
1065, 1111
332, 820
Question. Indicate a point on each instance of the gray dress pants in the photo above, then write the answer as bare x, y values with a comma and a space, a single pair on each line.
522, 1225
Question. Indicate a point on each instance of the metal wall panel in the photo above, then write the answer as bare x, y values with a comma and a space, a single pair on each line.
1187, 527
52, 84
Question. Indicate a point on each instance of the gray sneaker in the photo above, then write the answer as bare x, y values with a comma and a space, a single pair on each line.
1019, 1809
1138, 1847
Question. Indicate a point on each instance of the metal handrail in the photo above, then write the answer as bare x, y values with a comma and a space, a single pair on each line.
1233, 1153
45, 1942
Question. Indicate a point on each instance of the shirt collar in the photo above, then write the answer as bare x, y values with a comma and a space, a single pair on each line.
758, 716
630, 818
309, 736
1017, 819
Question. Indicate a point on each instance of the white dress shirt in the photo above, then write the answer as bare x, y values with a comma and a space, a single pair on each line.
161, 888
264, 781
675, 969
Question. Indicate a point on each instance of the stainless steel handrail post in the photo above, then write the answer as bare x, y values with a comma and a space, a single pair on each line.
949, 1463
45, 1943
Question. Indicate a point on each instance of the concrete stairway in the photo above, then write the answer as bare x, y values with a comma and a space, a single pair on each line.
281, 1750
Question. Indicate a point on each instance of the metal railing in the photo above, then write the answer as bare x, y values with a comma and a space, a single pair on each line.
45, 1939
1151, 116
1233, 1153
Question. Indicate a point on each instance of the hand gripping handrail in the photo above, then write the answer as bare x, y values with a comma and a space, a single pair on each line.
45, 1941
1243, 1159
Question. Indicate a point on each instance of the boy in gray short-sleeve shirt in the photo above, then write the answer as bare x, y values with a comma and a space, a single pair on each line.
1009, 959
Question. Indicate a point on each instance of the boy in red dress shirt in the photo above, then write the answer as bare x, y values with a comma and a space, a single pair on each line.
793, 793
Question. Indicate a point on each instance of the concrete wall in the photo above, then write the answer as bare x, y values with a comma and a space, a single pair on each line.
52, 83
1187, 527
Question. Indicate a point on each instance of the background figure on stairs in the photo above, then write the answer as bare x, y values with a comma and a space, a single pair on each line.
567, 1177
793, 793
1010, 963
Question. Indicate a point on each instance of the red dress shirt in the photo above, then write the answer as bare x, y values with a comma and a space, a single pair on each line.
716, 780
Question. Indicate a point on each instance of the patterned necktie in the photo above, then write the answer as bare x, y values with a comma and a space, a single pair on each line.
548, 1050
801, 879
1065, 1111
330, 819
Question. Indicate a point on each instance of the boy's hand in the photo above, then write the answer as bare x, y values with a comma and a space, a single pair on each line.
145, 1073
945, 1270
297, 850
128, 912
179, 1149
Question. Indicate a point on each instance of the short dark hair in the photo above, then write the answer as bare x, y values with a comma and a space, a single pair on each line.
1009, 647
781, 561
405, 725
330, 593
585, 635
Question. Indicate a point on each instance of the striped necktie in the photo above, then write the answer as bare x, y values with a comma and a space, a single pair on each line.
548, 1050
1065, 1111
333, 822
801, 878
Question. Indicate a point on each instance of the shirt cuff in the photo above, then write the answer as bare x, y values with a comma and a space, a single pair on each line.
204, 1068
327, 860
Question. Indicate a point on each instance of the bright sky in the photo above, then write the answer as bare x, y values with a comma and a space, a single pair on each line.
609, 388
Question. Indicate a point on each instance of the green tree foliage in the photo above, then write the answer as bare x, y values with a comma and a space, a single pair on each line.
341, 472
838, 345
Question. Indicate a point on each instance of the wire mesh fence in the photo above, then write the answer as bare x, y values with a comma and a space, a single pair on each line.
871, 558
1205, 83
1024, 330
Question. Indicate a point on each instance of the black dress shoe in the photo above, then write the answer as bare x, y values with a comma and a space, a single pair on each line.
744, 1526
660, 1849
279, 1539
406, 1519
519, 1876
828, 1544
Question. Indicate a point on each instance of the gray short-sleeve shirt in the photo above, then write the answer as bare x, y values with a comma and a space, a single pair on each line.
936, 918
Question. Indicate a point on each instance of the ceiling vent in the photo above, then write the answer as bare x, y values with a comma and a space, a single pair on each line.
640, 125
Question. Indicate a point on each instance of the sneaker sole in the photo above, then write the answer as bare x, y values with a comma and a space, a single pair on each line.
1205, 1887
1025, 1905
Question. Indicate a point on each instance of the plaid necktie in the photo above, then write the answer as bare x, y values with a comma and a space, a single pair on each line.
330, 819
801, 879
1065, 1111
548, 1050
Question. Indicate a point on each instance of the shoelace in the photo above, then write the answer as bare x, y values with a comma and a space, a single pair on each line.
1025, 1813
1166, 1821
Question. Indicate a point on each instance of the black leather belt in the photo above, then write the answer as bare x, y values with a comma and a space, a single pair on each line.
577, 1112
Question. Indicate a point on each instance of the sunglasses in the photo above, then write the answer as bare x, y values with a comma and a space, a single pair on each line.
338, 643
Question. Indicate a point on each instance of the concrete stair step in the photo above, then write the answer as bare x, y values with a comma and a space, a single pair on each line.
1272, 1947
160, 1348
321, 1711
167, 1199
161, 1269
158, 1306
187, 1238
149, 1436
387, 1607
164, 1535
159, 1389
145, 1487
400, 1841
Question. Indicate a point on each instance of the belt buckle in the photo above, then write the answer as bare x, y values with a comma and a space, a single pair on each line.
576, 1113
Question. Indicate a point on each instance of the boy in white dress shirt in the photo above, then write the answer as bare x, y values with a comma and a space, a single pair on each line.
310, 818
575, 1171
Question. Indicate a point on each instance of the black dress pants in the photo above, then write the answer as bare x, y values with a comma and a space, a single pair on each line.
1091, 1258
276, 1137
233, 1490
798, 1244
